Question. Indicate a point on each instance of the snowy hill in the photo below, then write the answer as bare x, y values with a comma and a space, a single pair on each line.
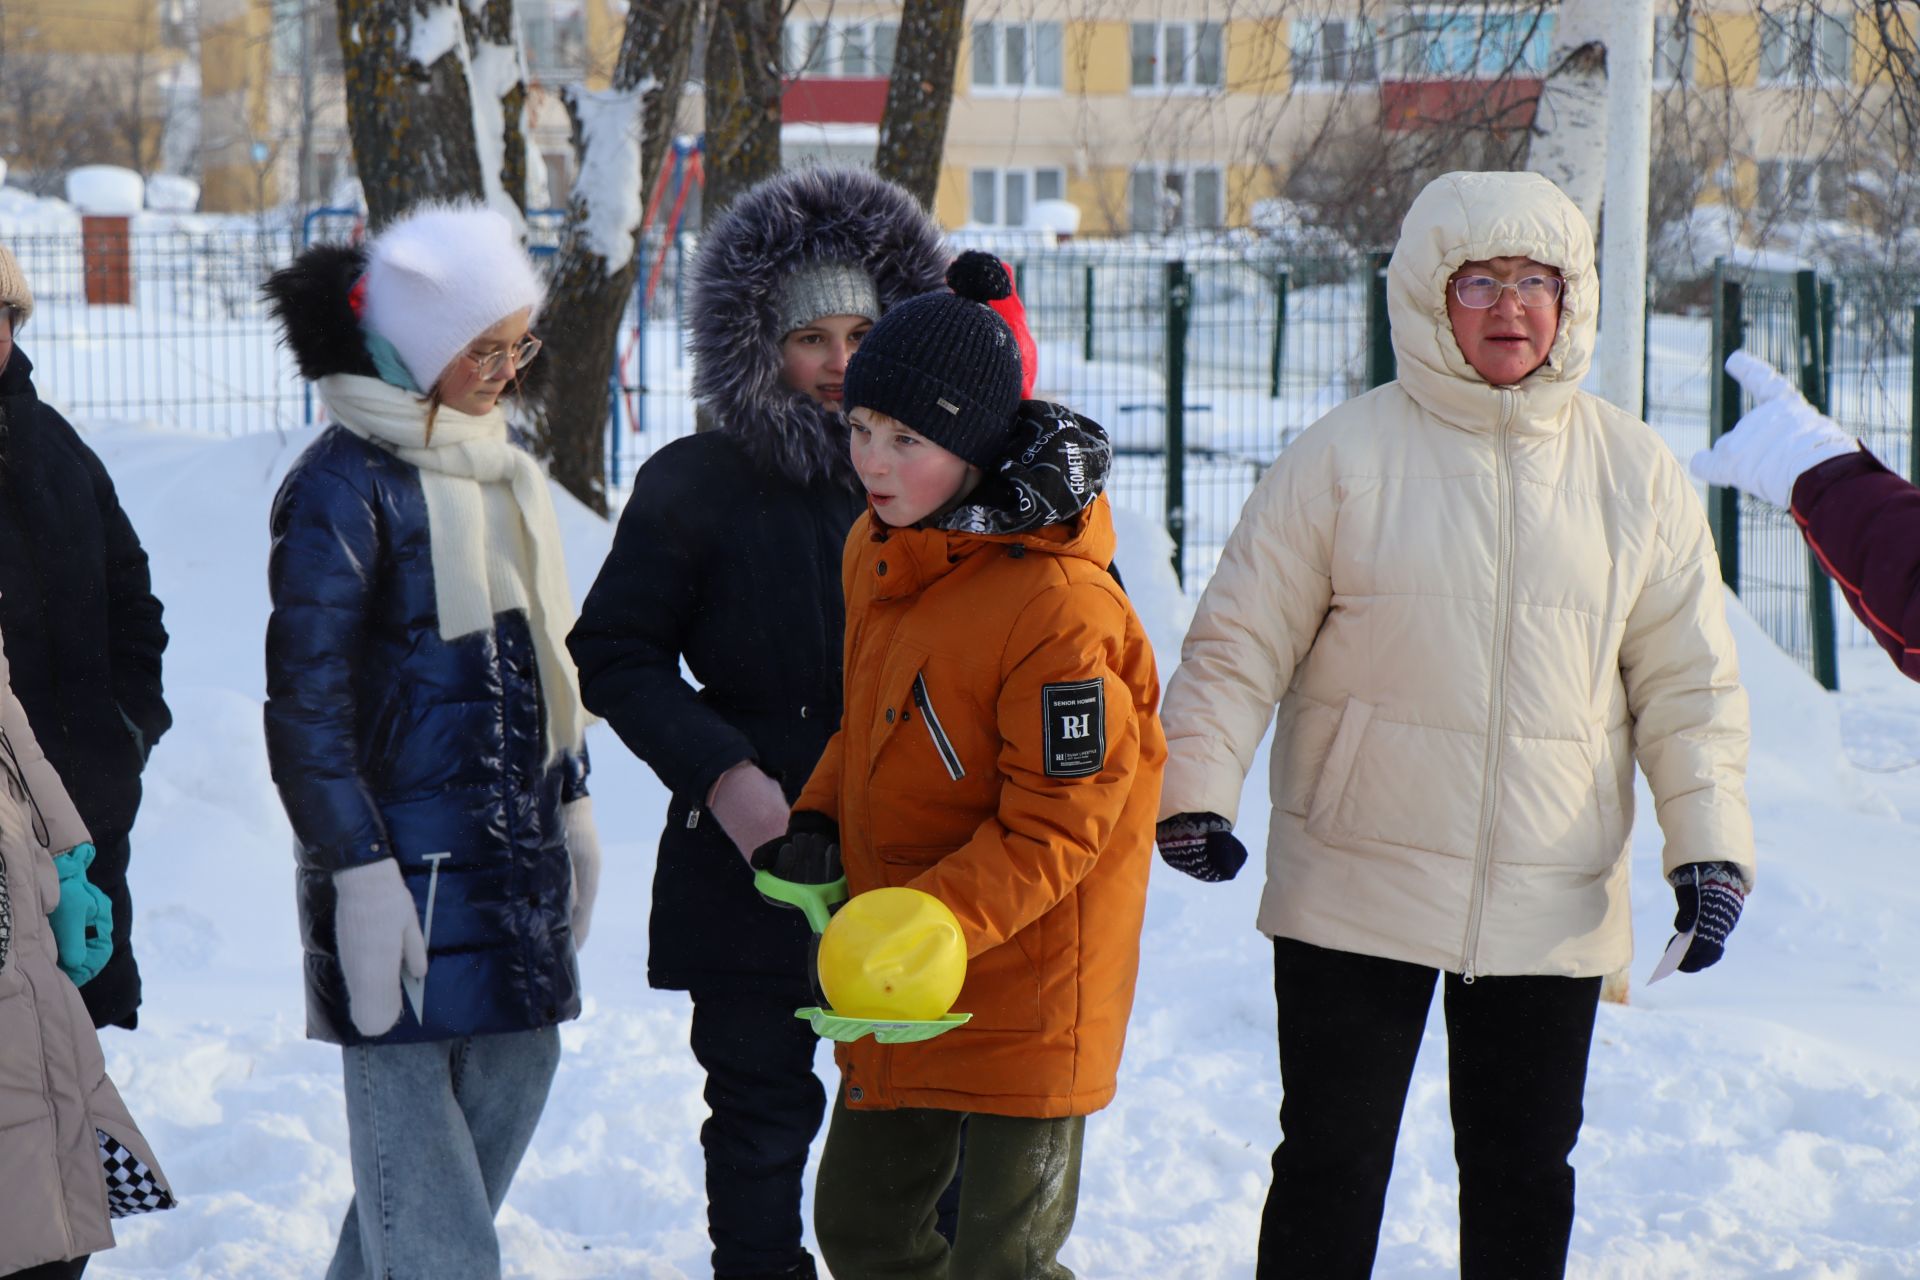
1762, 1119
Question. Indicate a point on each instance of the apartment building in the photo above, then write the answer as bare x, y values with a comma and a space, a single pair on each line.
1186, 113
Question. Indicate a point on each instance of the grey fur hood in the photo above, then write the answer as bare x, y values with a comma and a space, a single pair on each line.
815, 214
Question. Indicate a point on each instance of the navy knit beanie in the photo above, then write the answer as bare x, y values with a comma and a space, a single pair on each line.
945, 364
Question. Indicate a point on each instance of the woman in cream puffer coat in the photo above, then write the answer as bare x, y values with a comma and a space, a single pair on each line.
61, 1118
1475, 601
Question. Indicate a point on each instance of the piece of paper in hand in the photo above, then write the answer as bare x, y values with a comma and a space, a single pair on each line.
1675, 953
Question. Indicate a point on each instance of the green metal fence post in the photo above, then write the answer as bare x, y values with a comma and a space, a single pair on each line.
1723, 505
1280, 278
1087, 352
1646, 354
1813, 385
1381, 367
1179, 289
1829, 312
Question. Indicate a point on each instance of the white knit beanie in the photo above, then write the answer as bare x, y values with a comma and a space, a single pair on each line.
439, 277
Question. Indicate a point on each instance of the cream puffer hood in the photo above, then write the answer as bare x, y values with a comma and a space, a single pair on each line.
1471, 217
1474, 610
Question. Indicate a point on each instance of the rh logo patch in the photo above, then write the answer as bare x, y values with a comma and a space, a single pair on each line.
1076, 717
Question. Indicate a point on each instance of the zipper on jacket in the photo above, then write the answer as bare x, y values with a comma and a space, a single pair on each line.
1496, 702
941, 743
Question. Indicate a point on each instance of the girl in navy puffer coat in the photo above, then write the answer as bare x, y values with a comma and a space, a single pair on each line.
424, 727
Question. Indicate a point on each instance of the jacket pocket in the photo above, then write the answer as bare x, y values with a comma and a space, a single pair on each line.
1610, 754
1323, 810
901, 863
942, 744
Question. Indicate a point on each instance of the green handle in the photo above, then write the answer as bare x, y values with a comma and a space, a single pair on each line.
815, 900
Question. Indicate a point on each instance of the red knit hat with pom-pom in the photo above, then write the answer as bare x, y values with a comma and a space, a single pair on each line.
984, 278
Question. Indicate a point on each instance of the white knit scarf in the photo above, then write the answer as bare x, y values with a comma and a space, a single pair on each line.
482, 555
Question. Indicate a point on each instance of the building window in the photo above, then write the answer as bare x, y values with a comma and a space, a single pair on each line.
1176, 199
1804, 188
1016, 55
1002, 197
839, 50
1334, 52
1449, 44
1672, 50
555, 39
1805, 48
1178, 55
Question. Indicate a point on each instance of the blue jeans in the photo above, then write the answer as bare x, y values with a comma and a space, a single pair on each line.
437, 1131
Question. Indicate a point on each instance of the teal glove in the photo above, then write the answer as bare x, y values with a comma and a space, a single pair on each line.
83, 920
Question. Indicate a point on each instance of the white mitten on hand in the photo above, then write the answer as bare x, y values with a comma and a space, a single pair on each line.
583, 851
750, 807
376, 928
1777, 440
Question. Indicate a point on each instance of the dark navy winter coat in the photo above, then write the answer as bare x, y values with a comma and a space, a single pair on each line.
84, 639
728, 557
737, 569
386, 740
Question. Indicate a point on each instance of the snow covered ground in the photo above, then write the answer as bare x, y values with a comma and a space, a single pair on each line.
1762, 1119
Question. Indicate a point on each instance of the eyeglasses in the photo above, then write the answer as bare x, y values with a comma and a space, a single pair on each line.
494, 363
1481, 292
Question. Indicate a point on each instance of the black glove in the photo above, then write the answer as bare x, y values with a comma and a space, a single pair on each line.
808, 854
1202, 845
1710, 895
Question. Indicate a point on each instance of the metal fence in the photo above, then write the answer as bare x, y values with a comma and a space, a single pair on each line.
1202, 356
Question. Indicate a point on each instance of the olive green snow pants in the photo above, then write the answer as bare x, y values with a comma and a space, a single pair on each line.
883, 1172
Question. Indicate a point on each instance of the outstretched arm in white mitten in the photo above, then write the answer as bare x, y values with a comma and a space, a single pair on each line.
1777, 440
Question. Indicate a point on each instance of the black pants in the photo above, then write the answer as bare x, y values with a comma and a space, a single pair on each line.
52, 1271
767, 1105
1350, 1027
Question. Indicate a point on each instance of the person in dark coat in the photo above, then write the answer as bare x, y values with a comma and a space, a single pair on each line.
1861, 520
425, 730
83, 632
728, 557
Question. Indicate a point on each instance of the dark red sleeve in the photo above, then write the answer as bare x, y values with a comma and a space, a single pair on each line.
1863, 522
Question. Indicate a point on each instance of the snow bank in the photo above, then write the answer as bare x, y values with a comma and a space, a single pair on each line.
1762, 1118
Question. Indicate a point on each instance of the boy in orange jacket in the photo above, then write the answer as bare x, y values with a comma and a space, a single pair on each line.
1000, 749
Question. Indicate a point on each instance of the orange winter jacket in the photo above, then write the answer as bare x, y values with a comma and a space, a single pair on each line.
1000, 748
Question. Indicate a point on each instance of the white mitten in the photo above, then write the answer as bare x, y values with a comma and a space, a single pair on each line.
1777, 440
376, 928
583, 851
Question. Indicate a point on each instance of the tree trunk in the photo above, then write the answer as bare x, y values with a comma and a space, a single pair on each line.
498, 75
913, 128
594, 275
411, 120
1569, 142
743, 99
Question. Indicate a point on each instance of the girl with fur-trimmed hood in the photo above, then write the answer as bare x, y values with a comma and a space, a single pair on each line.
728, 558
425, 729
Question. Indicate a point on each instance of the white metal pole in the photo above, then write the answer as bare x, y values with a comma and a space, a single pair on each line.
1623, 248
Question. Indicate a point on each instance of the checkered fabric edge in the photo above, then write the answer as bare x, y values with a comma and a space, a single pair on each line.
132, 1187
